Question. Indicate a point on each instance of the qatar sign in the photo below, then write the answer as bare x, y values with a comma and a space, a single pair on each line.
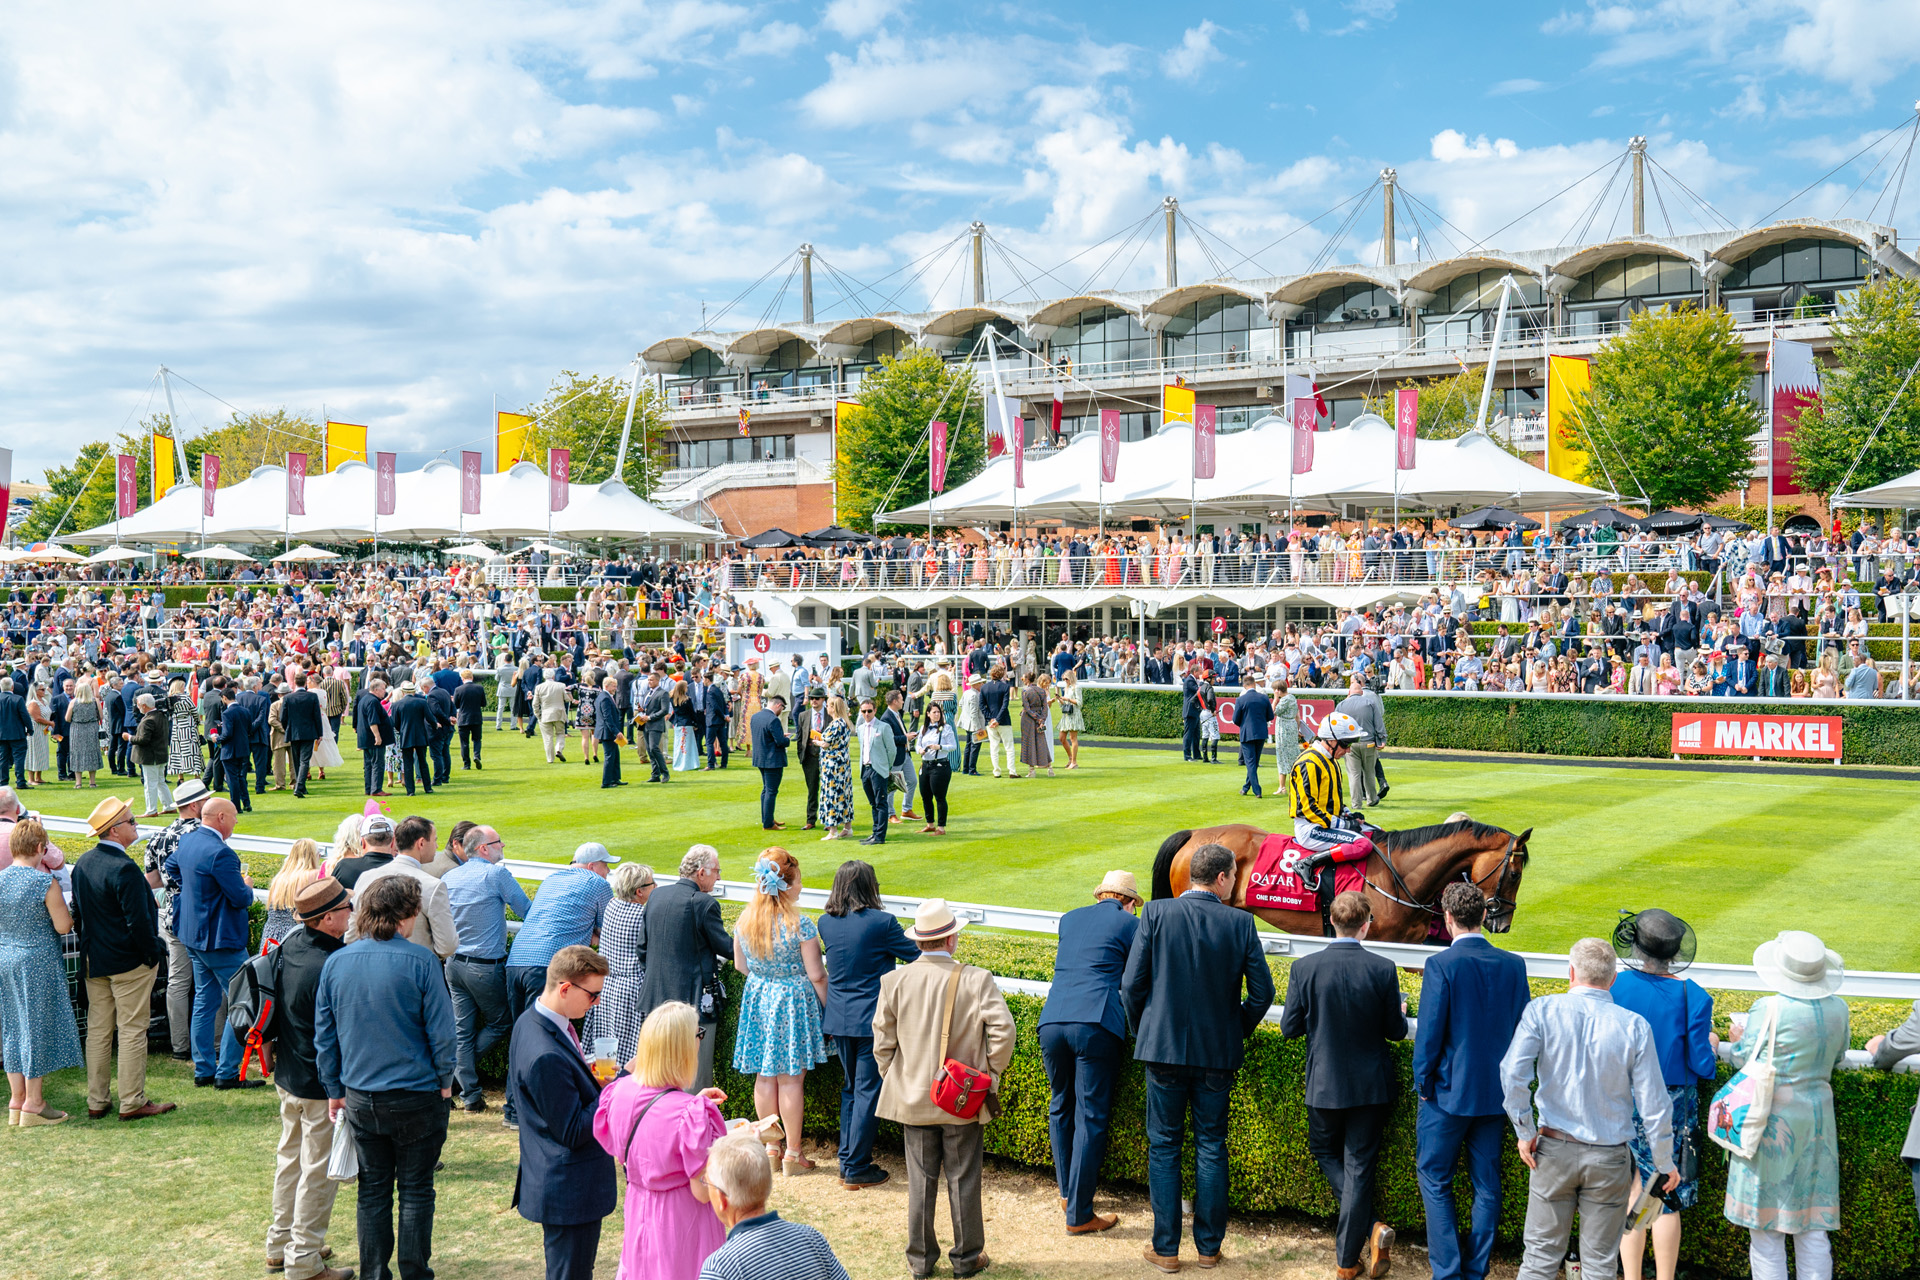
1791, 737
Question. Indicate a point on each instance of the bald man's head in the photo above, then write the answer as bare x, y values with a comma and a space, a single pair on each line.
220, 814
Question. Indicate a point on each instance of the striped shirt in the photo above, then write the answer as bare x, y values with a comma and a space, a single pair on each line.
770, 1248
1316, 789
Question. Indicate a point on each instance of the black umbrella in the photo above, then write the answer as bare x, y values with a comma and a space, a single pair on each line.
835, 534
772, 538
1723, 524
1492, 518
1673, 521
1612, 517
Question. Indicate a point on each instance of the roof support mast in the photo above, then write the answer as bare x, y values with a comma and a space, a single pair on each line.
979, 230
1388, 178
1172, 207
806, 283
1637, 148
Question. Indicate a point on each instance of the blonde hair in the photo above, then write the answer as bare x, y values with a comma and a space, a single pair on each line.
301, 869
837, 707
29, 839
767, 914
346, 840
668, 1054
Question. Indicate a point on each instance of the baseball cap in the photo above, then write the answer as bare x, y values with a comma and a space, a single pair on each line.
591, 852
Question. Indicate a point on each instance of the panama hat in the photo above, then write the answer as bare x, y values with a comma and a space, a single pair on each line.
1121, 882
933, 921
108, 813
1798, 964
191, 791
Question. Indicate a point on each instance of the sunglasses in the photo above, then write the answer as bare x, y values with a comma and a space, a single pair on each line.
592, 994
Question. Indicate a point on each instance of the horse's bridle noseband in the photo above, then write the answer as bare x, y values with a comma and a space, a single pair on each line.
1498, 904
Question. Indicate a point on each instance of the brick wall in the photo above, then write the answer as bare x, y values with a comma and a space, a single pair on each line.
795, 508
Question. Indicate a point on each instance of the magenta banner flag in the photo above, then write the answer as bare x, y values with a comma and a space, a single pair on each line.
296, 484
1406, 420
1109, 444
469, 483
937, 468
1019, 453
209, 481
1203, 420
1305, 412
559, 476
383, 484
126, 484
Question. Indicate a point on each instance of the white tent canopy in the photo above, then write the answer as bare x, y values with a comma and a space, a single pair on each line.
1902, 491
305, 552
219, 552
611, 510
116, 553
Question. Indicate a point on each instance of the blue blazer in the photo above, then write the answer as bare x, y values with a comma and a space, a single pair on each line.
14, 723
861, 947
1092, 958
1471, 997
1182, 985
214, 893
769, 740
565, 1175
236, 732
1253, 712
258, 706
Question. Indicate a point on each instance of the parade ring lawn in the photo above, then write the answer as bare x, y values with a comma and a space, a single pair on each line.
1739, 855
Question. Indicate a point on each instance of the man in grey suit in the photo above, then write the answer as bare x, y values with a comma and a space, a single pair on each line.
878, 758
1363, 761
681, 938
1903, 1041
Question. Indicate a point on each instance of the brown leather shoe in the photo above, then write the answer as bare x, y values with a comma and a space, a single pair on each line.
980, 1264
148, 1109
1098, 1222
101, 1114
334, 1273
326, 1251
1379, 1250
1166, 1264
1345, 1273
1209, 1261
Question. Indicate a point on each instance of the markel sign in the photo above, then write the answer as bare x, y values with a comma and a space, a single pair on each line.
1797, 737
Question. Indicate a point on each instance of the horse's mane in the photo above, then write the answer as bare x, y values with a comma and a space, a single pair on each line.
1398, 841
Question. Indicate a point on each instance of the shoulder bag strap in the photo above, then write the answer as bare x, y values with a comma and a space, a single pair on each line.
1773, 1027
946, 1027
627, 1150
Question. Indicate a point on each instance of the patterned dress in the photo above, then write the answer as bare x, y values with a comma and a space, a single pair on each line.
836, 776
183, 749
618, 1013
83, 732
37, 1032
779, 1032
1792, 1184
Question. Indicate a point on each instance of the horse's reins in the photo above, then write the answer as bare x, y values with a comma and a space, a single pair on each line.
1493, 899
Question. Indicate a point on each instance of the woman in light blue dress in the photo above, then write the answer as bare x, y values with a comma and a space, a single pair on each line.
1791, 1186
37, 1031
779, 1037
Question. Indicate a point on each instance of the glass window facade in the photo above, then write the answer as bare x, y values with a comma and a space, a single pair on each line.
701, 454
1225, 329
1800, 262
1641, 275
1133, 426
1100, 336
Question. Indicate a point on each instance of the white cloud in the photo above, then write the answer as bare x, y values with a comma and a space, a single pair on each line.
775, 40
889, 80
1506, 87
855, 18
1186, 60
1450, 146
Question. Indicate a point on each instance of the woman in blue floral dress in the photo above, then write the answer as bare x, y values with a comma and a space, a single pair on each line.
37, 1033
779, 1038
836, 773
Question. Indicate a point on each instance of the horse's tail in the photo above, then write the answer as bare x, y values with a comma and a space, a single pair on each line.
1163, 862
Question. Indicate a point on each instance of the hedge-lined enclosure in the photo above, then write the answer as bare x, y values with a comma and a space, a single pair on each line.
1603, 725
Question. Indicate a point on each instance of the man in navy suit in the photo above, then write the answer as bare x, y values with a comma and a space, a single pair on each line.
606, 727
413, 727
1471, 999
1346, 1001
1182, 994
236, 749
440, 741
863, 940
565, 1180
14, 727
714, 705
373, 730
768, 737
260, 738
301, 715
1083, 1041
1253, 714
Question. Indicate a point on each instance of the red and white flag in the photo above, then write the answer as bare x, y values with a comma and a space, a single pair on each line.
1406, 421
126, 485
1109, 444
1793, 382
1303, 420
1059, 409
469, 483
559, 476
937, 466
296, 484
1300, 384
1203, 420
209, 481
383, 484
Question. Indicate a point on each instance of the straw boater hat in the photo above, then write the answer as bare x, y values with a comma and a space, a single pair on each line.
1120, 882
933, 921
1799, 964
107, 813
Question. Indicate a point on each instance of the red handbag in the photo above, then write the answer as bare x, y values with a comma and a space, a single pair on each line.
958, 1089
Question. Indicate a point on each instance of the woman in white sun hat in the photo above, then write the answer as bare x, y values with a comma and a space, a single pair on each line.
1791, 1185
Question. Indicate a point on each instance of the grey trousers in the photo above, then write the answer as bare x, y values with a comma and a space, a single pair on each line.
180, 995
1569, 1175
1362, 783
952, 1150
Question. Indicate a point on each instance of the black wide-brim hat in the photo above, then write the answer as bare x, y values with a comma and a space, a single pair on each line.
1655, 935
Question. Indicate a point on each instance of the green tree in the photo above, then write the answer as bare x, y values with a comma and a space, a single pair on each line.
585, 414
1448, 406
1876, 340
1669, 409
249, 440
884, 448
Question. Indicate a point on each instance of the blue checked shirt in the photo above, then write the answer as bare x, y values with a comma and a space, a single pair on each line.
566, 912
479, 894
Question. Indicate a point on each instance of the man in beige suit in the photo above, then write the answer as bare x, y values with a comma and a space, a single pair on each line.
550, 699
433, 928
908, 1023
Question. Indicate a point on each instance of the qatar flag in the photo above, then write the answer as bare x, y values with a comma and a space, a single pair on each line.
209, 481
559, 474
296, 484
126, 480
1406, 421
1019, 453
1303, 420
1793, 380
1109, 444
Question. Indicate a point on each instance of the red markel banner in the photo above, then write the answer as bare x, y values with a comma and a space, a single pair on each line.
1203, 420
209, 481
383, 484
296, 484
1794, 737
126, 482
1311, 710
1406, 420
1304, 416
469, 483
559, 474
937, 468
1109, 444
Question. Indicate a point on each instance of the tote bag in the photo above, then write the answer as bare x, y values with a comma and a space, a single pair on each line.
1737, 1118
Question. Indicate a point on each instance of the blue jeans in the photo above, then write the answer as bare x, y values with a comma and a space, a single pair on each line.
1171, 1093
1441, 1138
859, 1100
1082, 1061
212, 971
480, 1019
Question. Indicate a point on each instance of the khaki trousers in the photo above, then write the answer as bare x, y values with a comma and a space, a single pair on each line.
1363, 784
553, 737
302, 1191
124, 996
1001, 737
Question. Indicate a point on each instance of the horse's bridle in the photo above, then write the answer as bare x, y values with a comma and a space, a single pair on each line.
1498, 904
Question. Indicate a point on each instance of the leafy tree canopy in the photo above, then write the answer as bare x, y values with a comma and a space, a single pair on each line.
1876, 340
585, 413
883, 449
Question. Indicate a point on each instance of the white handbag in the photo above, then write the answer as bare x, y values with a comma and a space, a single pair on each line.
1737, 1117
343, 1162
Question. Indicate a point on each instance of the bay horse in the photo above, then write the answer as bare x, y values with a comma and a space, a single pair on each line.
1405, 874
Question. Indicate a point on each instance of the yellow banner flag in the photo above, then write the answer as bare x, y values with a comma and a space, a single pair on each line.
1176, 405
162, 465
346, 442
510, 438
1568, 378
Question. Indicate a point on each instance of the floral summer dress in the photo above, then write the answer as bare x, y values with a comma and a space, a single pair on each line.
836, 776
779, 1032
1792, 1184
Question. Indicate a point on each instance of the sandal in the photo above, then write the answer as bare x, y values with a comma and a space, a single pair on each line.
795, 1164
773, 1157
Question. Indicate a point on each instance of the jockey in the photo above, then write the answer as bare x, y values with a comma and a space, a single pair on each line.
1317, 790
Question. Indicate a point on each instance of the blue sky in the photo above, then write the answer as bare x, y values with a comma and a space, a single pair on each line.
402, 211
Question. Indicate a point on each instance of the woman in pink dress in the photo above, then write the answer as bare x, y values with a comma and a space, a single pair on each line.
659, 1132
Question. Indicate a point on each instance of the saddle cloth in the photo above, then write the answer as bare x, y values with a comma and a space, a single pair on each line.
1275, 883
